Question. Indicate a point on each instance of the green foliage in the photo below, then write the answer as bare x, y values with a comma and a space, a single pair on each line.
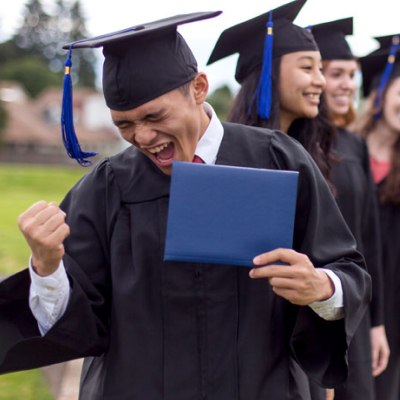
29, 385
32, 73
21, 186
220, 100
10, 51
39, 39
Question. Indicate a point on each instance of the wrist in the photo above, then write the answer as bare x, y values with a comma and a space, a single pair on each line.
42, 270
327, 287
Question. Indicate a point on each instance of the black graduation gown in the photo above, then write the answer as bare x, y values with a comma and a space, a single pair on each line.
179, 331
388, 383
356, 197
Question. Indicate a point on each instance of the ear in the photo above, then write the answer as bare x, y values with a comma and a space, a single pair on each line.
200, 87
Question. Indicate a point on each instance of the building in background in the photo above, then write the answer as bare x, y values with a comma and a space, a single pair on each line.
32, 133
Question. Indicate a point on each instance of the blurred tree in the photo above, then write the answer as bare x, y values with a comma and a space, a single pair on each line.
33, 35
10, 51
220, 100
41, 37
86, 59
32, 73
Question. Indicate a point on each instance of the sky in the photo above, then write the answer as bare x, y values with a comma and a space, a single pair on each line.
104, 16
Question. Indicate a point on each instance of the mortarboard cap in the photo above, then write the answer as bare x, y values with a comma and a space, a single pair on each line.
258, 41
379, 67
247, 39
331, 39
141, 63
374, 63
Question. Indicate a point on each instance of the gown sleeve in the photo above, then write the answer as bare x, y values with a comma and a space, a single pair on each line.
83, 329
372, 247
320, 346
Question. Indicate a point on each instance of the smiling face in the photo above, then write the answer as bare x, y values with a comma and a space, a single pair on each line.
340, 85
169, 127
391, 106
300, 86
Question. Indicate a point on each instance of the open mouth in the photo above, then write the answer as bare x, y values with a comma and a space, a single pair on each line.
313, 97
164, 153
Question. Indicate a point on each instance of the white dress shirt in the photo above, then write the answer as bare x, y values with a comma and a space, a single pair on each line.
49, 295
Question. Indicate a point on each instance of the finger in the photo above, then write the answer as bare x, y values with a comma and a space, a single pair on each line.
271, 271
59, 235
53, 222
45, 214
374, 356
288, 256
381, 362
32, 210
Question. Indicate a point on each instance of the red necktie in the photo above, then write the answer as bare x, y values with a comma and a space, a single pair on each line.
197, 159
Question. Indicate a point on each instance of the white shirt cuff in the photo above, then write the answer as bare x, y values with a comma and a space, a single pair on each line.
331, 309
48, 296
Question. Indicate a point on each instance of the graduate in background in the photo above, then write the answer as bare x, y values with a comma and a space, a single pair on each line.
379, 125
296, 106
98, 287
356, 197
279, 70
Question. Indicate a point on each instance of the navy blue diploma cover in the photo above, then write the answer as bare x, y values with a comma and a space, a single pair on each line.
228, 215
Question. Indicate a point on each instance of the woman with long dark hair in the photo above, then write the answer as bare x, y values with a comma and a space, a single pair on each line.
379, 125
296, 105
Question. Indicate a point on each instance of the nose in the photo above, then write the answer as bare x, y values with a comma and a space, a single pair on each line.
144, 136
319, 79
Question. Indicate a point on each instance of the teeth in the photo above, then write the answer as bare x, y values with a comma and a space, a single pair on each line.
157, 149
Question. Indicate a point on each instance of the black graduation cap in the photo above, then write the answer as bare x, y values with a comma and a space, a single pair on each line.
248, 39
331, 39
141, 63
261, 39
381, 64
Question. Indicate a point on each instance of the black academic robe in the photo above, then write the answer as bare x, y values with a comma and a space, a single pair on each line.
388, 383
356, 197
177, 331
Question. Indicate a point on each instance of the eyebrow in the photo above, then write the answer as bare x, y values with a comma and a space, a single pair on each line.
118, 122
310, 58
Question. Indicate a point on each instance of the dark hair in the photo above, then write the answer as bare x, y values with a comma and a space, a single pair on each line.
315, 134
364, 125
185, 88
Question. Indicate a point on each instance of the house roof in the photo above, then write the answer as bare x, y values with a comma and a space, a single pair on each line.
37, 121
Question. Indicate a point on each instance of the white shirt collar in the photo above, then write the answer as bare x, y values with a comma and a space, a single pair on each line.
209, 144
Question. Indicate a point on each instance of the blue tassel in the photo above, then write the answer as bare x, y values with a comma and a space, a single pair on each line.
386, 77
264, 89
67, 119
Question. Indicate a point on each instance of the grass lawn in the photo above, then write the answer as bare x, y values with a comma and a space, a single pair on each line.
21, 186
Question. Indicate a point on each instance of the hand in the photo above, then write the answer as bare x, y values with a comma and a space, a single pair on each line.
380, 349
45, 230
298, 282
330, 394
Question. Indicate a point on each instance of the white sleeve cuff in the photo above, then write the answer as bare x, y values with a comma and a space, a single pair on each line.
331, 309
48, 297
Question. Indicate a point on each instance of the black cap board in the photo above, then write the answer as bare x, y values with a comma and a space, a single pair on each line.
247, 39
145, 61
331, 39
374, 64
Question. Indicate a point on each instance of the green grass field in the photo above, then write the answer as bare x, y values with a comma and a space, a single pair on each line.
21, 186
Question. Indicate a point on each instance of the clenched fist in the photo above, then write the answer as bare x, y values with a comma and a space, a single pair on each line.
44, 228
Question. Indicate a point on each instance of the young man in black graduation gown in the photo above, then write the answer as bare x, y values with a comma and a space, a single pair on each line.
155, 330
